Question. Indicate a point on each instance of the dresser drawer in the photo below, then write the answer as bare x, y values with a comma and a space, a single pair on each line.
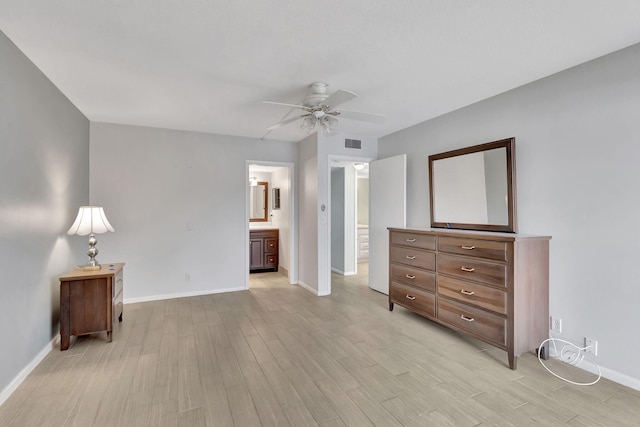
413, 277
413, 257
414, 240
473, 269
490, 327
479, 295
414, 299
472, 247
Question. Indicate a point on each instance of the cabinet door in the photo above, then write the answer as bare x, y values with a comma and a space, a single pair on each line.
256, 251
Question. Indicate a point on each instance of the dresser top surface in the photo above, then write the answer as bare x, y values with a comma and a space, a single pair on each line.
105, 270
469, 233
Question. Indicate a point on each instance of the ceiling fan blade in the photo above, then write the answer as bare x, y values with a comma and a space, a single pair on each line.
286, 122
358, 115
303, 107
339, 97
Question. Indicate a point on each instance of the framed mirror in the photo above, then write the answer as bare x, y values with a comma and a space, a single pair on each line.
259, 202
474, 188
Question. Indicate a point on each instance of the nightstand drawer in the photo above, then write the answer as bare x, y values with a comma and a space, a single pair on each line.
413, 299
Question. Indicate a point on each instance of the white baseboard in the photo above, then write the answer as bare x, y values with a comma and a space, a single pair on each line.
181, 295
15, 383
610, 374
313, 291
307, 287
342, 273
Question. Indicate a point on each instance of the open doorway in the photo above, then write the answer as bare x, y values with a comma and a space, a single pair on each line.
349, 222
271, 230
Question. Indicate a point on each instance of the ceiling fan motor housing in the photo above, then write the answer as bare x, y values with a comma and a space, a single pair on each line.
317, 95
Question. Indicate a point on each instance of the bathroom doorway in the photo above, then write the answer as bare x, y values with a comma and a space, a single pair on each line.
271, 240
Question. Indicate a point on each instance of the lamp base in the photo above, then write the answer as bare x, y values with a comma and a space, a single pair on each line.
91, 267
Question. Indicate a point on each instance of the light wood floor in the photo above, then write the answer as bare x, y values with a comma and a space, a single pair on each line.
277, 356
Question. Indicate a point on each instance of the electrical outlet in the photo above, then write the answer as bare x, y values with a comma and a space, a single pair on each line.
555, 324
591, 346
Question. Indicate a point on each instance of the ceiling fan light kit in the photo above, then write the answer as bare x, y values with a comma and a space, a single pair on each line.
320, 110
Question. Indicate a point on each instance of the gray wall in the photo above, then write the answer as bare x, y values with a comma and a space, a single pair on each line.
308, 207
578, 146
363, 201
337, 220
44, 178
177, 201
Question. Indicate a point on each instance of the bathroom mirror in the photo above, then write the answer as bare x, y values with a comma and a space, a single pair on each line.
259, 202
474, 188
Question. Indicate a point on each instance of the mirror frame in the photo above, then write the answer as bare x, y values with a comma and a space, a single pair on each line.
511, 226
266, 203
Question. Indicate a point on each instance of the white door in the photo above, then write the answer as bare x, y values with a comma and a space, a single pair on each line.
387, 208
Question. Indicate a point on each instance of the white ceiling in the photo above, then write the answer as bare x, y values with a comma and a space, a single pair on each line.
204, 65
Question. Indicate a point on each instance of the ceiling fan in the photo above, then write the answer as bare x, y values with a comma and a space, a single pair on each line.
320, 110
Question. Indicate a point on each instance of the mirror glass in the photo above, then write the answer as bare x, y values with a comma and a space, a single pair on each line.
474, 188
258, 202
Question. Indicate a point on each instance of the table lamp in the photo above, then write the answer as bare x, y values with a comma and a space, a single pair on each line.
91, 220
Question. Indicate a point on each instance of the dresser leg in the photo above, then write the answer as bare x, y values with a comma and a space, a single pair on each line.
513, 360
120, 318
390, 306
109, 336
64, 341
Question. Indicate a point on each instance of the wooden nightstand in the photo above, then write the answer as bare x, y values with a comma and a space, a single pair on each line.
89, 301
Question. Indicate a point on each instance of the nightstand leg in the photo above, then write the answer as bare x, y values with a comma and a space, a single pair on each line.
109, 336
65, 327
390, 306
120, 318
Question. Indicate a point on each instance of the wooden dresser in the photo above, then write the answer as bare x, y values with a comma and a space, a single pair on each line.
263, 250
492, 286
89, 301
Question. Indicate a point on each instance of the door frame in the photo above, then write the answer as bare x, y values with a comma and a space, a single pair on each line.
293, 223
331, 158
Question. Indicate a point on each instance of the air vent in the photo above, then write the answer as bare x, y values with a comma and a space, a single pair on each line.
353, 143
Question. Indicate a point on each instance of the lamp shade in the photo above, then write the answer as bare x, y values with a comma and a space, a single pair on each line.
90, 220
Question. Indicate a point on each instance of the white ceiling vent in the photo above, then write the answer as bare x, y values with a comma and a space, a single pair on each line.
353, 143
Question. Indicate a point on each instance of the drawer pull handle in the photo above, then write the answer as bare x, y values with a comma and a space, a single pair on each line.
411, 240
469, 248
410, 257
409, 297
468, 270
467, 319
465, 292
410, 276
